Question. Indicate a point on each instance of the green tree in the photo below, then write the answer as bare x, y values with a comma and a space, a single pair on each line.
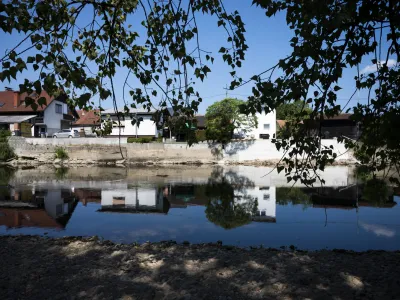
286, 111
224, 117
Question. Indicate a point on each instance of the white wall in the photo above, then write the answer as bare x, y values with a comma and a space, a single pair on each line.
265, 150
262, 119
53, 119
147, 127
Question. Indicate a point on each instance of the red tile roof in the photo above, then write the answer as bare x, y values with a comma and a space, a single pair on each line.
90, 117
12, 101
281, 123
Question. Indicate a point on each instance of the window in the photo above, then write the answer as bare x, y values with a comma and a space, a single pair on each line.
66, 130
58, 108
266, 196
266, 126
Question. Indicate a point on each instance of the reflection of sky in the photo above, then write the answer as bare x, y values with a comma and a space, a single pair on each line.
378, 230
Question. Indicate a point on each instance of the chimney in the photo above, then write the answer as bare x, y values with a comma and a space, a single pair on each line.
16, 99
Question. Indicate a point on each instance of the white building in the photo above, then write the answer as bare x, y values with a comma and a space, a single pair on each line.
266, 128
124, 127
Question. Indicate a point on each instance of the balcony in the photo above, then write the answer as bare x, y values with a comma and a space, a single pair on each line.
68, 117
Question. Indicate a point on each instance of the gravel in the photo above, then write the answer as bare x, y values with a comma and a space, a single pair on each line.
87, 268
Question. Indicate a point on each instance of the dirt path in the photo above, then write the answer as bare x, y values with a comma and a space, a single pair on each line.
41, 268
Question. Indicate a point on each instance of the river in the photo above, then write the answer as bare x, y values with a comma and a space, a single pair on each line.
236, 205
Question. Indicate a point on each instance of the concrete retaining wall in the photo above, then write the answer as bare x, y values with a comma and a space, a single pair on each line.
108, 150
77, 141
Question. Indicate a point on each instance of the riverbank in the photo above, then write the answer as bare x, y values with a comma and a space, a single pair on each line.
77, 268
109, 152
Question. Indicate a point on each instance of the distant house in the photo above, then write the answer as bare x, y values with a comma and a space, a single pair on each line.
266, 127
20, 119
197, 123
87, 122
124, 126
334, 127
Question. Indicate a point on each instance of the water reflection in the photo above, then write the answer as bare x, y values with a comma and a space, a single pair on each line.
227, 200
35, 207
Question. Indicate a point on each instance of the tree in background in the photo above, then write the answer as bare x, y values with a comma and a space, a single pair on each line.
286, 111
223, 118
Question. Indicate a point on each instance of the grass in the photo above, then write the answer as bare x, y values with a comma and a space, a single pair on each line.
141, 140
61, 153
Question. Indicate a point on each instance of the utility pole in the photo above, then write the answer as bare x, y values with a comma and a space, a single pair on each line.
226, 91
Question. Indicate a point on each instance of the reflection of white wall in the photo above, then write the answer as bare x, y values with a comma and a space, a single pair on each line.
54, 204
107, 196
266, 198
262, 176
144, 196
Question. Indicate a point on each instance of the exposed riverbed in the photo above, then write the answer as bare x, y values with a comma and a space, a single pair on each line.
69, 268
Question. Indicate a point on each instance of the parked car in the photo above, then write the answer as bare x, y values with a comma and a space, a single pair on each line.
66, 133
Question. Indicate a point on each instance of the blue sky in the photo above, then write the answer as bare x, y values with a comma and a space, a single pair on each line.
268, 41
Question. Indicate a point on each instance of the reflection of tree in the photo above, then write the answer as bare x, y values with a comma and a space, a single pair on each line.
229, 206
6, 174
376, 191
61, 173
292, 195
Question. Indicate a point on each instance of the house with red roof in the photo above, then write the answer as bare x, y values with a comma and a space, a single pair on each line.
87, 122
24, 120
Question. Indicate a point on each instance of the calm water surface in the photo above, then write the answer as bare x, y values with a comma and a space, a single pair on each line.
235, 205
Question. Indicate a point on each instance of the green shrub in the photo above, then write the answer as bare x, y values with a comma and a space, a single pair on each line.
201, 135
61, 153
159, 139
141, 140
6, 152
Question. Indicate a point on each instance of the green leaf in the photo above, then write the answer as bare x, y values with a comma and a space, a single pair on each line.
39, 58
337, 88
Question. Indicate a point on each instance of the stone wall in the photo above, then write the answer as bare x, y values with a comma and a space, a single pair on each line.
157, 153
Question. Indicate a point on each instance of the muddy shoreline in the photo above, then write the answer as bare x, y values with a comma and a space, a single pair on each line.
88, 268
